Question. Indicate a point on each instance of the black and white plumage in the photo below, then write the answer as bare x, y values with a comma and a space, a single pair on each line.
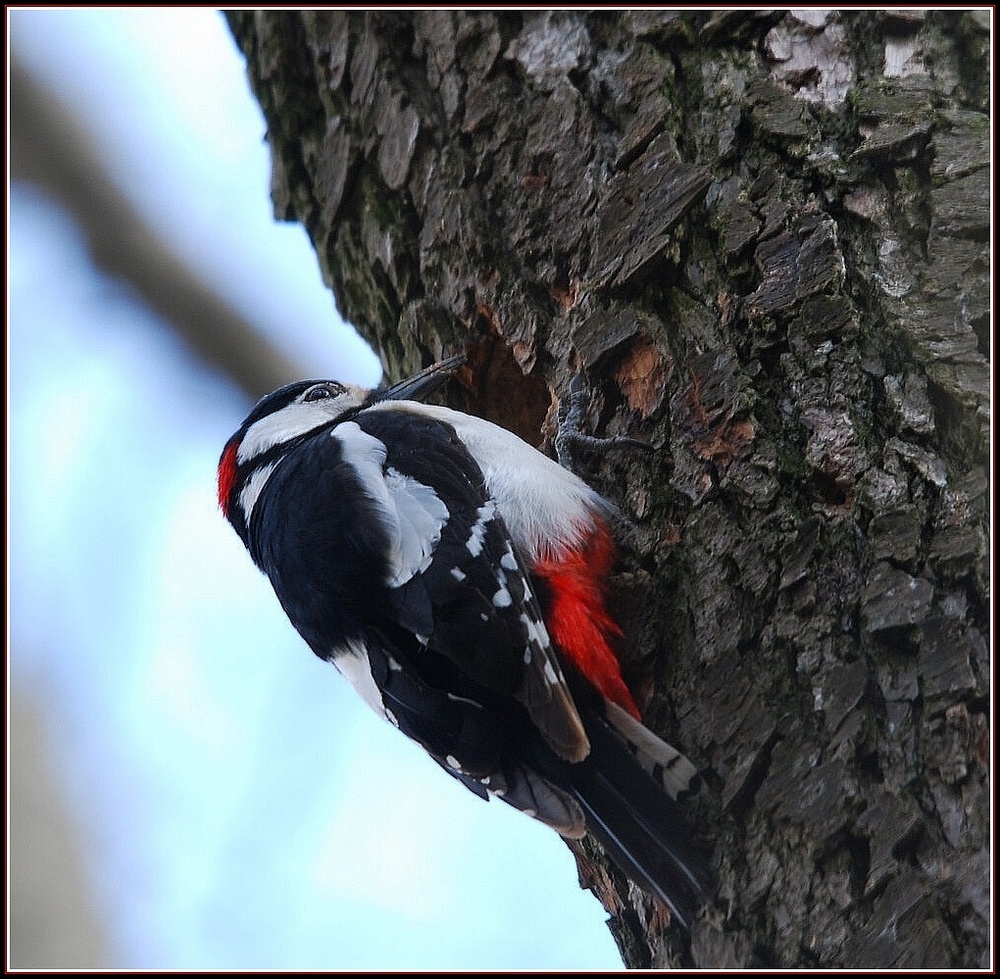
453, 574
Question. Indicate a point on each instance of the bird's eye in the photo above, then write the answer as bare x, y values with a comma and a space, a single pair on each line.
319, 392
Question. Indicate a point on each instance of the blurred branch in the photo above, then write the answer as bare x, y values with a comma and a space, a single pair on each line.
49, 148
53, 922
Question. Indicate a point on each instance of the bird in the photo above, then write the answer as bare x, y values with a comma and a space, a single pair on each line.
458, 578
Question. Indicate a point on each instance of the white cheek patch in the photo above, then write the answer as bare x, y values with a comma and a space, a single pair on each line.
254, 486
298, 418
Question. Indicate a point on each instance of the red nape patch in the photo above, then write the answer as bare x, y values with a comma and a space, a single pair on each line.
227, 476
578, 618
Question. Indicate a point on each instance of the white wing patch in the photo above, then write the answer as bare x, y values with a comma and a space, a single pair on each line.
421, 517
413, 514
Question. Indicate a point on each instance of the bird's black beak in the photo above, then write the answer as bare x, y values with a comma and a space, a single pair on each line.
422, 384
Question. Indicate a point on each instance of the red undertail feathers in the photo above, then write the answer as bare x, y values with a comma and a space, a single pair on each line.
578, 619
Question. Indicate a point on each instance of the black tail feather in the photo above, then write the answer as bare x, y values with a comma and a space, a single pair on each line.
645, 832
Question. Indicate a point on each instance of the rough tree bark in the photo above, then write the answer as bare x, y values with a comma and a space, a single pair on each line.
764, 239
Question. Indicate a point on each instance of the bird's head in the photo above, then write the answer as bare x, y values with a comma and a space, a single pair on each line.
283, 419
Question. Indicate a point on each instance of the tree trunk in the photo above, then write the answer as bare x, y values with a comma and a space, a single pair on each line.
763, 237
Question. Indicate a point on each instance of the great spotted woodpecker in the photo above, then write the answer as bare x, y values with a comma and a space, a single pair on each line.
456, 576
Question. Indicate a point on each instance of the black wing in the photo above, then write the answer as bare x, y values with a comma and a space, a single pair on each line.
464, 595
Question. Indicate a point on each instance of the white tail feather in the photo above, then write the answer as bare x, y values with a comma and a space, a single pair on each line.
664, 762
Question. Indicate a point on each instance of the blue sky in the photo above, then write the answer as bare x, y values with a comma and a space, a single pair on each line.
238, 807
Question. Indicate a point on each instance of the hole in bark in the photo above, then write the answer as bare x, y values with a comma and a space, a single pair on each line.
826, 488
502, 393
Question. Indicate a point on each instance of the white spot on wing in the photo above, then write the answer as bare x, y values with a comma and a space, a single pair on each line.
461, 700
478, 533
536, 631
502, 598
